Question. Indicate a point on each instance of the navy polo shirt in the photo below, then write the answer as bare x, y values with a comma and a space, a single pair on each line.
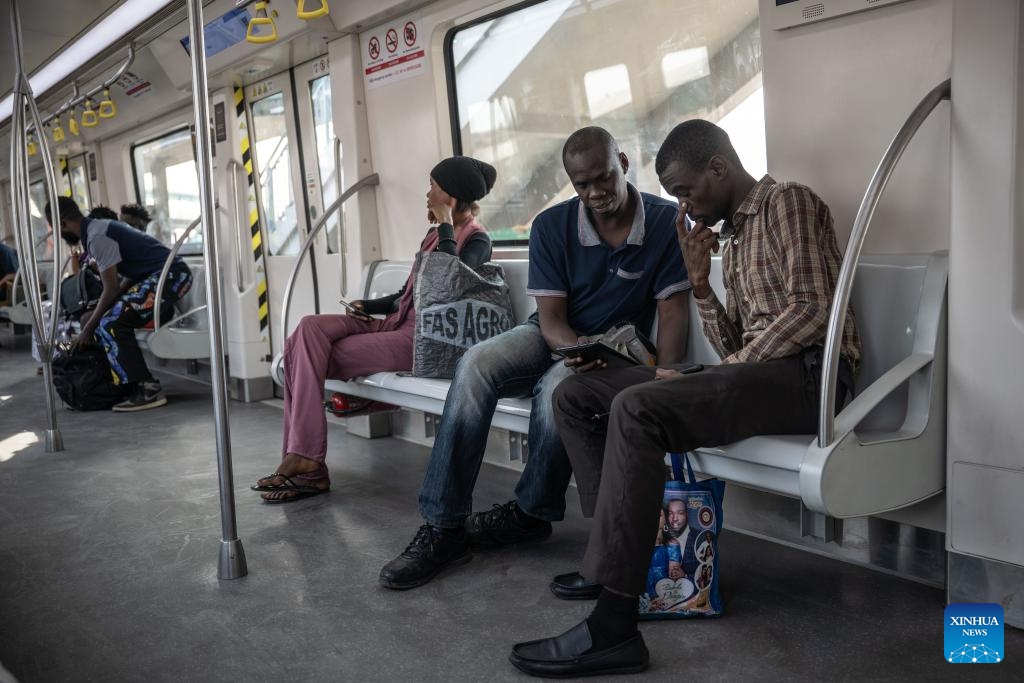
606, 286
113, 243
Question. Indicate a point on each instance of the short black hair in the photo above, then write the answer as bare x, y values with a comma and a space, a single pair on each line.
693, 143
100, 211
588, 138
136, 210
68, 209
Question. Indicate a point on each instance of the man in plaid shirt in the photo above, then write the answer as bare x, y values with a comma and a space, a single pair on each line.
780, 264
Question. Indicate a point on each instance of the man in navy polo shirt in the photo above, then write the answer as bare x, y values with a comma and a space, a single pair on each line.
138, 258
605, 257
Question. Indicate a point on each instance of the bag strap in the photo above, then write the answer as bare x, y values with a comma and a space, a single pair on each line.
678, 460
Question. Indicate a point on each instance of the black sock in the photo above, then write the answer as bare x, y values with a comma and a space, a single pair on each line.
613, 620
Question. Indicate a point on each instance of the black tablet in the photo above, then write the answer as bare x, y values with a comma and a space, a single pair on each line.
597, 351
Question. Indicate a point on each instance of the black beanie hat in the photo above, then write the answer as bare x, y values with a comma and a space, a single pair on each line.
465, 178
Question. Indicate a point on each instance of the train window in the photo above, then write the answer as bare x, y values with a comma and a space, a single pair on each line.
167, 183
273, 159
634, 67
79, 181
323, 130
40, 224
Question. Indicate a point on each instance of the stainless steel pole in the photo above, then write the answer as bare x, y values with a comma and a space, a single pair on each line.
231, 563
45, 336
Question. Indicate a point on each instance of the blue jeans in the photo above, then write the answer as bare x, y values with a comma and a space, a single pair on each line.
514, 364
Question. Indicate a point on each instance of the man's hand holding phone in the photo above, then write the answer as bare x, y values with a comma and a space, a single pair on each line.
355, 309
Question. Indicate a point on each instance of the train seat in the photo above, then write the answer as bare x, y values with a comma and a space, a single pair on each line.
889, 446
186, 335
888, 450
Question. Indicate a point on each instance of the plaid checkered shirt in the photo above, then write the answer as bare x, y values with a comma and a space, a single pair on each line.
780, 265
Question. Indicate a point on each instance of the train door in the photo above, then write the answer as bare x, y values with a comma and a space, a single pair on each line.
280, 189
321, 154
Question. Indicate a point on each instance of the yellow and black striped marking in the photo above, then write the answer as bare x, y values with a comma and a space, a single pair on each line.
254, 216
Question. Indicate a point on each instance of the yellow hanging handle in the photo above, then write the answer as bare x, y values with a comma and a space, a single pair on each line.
257, 21
89, 117
33, 148
107, 109
322, 11
73, 123
58, 131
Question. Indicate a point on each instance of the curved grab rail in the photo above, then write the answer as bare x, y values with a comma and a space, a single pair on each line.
159, 296
232, 168
341, 225
844, 283
368, 181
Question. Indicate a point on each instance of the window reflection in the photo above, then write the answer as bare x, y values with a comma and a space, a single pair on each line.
524, 81
274, 162
167, 182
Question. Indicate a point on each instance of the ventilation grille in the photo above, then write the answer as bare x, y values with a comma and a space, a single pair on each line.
813, 11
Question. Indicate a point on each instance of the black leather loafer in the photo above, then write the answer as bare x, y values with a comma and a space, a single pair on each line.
573, 586
566, 656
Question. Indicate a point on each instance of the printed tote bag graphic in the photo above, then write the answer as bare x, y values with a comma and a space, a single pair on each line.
456, 307
682, 580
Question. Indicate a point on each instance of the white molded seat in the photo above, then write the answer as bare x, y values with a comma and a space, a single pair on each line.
187, 334
889, 446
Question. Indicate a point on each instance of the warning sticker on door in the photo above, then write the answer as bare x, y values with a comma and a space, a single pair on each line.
393, 52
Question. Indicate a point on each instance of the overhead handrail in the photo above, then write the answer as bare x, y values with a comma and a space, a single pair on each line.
368, 181
844, 283
233, 167
23, 99
158, 297
77, 97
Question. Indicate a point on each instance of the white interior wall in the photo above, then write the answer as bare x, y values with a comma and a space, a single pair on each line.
115, 152
836, 92
405, 134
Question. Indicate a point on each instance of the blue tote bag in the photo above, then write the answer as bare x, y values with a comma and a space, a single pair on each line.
682, 581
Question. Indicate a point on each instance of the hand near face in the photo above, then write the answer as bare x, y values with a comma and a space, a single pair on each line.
697, 244
440, 205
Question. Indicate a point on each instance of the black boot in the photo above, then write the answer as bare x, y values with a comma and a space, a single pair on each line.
504, 525
431, 550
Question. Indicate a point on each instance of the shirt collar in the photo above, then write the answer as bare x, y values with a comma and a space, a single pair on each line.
750, 205
588, 233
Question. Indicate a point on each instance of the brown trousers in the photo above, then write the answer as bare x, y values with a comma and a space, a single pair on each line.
617, 426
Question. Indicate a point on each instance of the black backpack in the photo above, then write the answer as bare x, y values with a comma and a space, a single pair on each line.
83, 379
80, 292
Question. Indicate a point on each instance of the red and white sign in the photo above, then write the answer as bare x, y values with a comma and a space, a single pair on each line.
134, 86
388, 58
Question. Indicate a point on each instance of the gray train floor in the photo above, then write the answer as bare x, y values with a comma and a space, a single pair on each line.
108, 571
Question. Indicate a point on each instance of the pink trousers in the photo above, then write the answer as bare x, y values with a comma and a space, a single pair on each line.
336, 347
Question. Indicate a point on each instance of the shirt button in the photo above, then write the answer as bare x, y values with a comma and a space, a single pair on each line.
611, 270
735, 242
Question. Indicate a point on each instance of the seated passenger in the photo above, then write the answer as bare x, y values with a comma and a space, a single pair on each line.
352, 345
8, 269
100, 211
123, 308
135, 215
604, 257
780, 266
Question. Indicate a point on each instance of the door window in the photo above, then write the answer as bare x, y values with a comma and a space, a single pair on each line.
275, 175
323, 130
167, 183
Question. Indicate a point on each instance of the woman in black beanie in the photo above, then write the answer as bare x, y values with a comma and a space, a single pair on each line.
353, 345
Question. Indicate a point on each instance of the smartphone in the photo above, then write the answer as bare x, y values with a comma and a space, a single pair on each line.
352, 309
597, 351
